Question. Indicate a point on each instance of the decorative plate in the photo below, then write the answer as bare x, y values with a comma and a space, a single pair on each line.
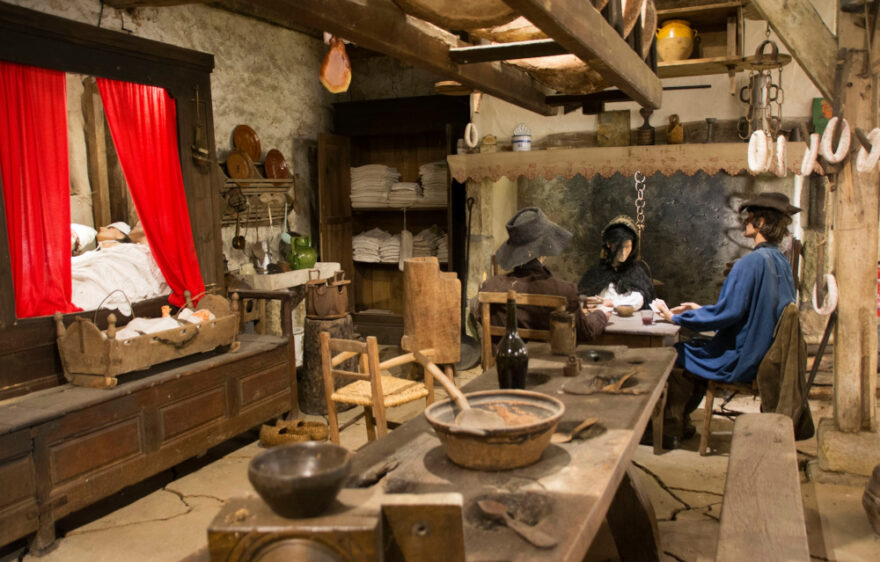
276, 165
245, 139
239, 165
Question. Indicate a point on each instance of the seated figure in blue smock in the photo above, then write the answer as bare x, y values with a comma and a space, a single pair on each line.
756, 290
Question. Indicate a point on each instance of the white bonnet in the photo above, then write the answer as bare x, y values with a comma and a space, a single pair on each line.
121, 227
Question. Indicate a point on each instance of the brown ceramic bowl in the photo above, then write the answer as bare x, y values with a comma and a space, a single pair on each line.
624, 310
300, 479
499, 449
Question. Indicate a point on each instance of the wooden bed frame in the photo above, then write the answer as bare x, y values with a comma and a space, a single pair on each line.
63, 447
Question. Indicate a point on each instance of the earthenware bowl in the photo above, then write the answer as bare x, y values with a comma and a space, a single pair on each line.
624, 310
301, 479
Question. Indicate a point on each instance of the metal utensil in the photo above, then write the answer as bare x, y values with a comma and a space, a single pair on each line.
471, 419
498, 511
238, 239
566, 437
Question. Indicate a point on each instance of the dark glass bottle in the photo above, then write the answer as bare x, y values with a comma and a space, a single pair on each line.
512, 357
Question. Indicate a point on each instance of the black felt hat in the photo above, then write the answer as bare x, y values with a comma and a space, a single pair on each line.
530, 235
772, 200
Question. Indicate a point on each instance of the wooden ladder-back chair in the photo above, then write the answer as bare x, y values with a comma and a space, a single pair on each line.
486, 298
712, 389
788, 343
372, 390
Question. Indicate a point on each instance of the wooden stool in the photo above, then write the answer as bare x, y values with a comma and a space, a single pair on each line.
310, 377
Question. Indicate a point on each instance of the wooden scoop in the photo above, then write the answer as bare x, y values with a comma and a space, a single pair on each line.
498, 511
471, 419
566, 437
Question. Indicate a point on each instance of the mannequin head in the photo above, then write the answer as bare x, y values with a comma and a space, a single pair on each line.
764, 224
618, 243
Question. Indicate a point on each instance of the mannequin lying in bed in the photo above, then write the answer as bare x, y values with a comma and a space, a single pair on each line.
115, 273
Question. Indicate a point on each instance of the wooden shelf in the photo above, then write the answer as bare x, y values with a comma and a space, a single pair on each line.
713, 65
666, 159
398, 209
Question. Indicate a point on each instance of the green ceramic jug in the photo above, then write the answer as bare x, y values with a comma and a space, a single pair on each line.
302, 255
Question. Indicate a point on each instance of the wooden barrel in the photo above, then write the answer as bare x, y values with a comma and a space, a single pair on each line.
310, 377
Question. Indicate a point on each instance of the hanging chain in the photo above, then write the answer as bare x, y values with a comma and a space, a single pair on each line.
640, 201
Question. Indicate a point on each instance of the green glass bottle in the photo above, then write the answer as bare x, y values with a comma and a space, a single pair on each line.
512, 357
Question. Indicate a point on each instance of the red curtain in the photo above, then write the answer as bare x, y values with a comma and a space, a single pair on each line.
36, 187
143, 123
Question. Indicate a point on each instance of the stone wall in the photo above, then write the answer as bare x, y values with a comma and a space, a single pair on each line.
265, 76
691, 224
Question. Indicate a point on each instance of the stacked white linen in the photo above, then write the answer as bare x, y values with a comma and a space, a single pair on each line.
365, 246
443, 249
370, 185
389, 249
127, 267
433, 177
425, 242
404, 194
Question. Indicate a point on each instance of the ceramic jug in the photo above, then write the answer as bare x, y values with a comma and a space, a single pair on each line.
675, 40
302, 255
674, 131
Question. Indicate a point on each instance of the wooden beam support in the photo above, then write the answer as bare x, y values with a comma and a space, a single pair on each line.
582, 30
381, 26
151, 3
506, 51
806, 37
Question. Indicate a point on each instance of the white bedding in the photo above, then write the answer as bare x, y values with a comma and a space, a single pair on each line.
128, 267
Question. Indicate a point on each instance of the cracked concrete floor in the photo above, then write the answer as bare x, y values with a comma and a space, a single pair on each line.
166, 517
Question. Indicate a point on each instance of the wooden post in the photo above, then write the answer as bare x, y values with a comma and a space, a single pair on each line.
855, 264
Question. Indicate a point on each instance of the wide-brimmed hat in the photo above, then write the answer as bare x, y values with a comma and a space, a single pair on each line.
530, 235
772, 200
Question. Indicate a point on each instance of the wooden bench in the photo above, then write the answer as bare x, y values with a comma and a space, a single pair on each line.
762, 514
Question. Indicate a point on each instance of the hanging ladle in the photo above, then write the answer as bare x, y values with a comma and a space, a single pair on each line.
471, 420
238, 239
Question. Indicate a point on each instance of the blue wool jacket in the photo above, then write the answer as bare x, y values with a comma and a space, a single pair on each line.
751, 301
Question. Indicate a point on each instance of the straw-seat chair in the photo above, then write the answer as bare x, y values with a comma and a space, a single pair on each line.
371, 389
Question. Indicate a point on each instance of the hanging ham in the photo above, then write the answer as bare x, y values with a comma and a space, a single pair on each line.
336, 68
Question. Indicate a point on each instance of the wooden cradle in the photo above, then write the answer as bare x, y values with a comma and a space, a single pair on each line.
93, 358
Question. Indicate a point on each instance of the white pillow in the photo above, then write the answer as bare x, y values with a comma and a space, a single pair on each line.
85, 237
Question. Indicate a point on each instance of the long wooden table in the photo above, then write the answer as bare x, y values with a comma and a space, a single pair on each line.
570, 491
631, 332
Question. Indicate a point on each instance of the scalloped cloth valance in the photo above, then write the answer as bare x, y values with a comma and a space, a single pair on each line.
568, 162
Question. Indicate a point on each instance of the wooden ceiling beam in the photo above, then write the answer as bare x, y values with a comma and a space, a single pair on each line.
582, 31
506, 51
150, 3
381, 26
806, 37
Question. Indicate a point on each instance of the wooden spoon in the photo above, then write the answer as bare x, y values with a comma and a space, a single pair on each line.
498, 511
566, 437
473, 420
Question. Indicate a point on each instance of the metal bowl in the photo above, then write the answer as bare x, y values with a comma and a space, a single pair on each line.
498, 449
300, 479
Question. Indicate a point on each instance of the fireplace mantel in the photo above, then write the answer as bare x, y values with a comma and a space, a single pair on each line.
568, 162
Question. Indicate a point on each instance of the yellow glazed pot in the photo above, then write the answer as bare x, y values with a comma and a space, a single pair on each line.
675, 40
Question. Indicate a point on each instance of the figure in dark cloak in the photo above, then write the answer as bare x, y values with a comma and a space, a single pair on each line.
621, 277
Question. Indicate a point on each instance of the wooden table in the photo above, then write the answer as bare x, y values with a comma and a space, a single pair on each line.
570, 491
631, 332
